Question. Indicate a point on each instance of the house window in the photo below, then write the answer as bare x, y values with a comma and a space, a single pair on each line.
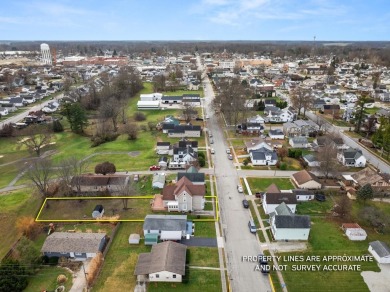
157, 276
174, 276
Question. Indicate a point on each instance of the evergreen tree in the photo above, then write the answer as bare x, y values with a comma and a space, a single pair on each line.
365, 193
13, 277
77, 117
57, 126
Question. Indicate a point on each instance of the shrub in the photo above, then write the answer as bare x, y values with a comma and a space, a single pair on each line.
201, 161
138, 116
61, 279
283, 166
57, 126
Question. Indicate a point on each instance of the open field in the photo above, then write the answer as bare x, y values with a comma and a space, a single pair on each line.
78, 209
261, 184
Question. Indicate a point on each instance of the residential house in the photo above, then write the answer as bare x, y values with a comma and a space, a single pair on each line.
251, 128
3, 111
256, 119
354, 232
151, 96
270, 102
78, 246
380, 251
164, 148
187, 143
263, 156
311, 160
272, 200
273, 114
193, 175
171, 99
148, 104
184, 196
256, 144
303, 195
17, 101
331, 109
285, 225
185, 131
276, 134
380, 182
183, 156
165, 263
298, 142
92, 183
166, 227
352, 157
192, 99
306, 180
299, 128
158, 181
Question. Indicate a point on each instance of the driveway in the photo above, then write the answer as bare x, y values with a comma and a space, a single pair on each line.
79, 282
200, 241
378, 282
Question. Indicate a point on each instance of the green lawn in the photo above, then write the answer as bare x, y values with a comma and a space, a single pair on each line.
12, 206
315, 207
203, 256
261, 184
205, 229
46, 279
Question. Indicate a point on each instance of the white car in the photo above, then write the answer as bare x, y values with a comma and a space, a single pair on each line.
207, 117
212, 151
369, 105
228, 150
239, 189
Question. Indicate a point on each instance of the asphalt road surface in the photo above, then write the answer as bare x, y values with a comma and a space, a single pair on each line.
239, 241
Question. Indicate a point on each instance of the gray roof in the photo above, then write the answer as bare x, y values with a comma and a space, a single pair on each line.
171, 97
299, 140
381, 248
262, 152
166, 256
276, 132
292, 221
192, 177
352, 154
283, 209
310, 157
73, 242
165, 222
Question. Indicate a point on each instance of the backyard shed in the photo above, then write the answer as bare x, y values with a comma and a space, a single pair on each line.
354, 231
98, 212
134, 238
151, 239
380, 251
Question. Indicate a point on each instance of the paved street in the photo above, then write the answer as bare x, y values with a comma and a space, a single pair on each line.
234, 218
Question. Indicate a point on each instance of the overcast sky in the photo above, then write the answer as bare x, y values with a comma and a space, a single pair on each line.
355, 20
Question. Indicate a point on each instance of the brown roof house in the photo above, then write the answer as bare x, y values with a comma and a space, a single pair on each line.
165, 263
273, 197
185, 196
306, 180
79, 246
380, 182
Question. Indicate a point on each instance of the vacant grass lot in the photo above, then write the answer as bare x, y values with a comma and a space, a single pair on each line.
261, 184
82, 209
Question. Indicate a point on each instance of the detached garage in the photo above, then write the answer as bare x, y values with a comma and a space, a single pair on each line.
145, 105
380, 251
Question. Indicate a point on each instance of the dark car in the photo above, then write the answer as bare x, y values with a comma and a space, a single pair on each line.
320, 197
264, 267
245, 203
199, 119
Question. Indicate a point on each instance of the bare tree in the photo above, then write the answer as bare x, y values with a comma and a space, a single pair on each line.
70, 169
40, 172
188, 111
126, 190
343, 207
110, 110
35, 137
131, 129
327, 158
300, 98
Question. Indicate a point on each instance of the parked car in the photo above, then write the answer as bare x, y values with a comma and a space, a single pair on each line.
320, 197
198, 119
207, 117
211, 141
264, 267
228, 150
239, 189
252, 226
210, 134
230, 157
154, 167
212, 151
245, 203
136, 177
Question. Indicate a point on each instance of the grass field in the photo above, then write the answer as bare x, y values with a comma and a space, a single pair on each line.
12, 206
203, 256
81, 210
46, 280
261, 184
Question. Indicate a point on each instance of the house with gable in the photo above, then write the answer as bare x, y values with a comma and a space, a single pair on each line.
352, 157
263, 156
306, 180
380, 182
285, 225
183, 156
184, 196
256, 144
185, 131
193, 175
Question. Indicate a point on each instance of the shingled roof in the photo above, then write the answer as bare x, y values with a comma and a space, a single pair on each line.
166, 256
292, 221
304, 176
73, 242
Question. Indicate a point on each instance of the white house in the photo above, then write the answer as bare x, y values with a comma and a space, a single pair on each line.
276, 134
165, 263
256, 119
380, 251
167, 227
158, 181
263, 156
298, 142
285, 225
352, 157
164, 148
272, 200
311, 160
303, 195
148, 104
3, 111
150, 96
256, 144
306, 180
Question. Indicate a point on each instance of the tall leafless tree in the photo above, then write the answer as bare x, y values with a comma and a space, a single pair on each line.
301, 98
39, 172
35, 137
327, 158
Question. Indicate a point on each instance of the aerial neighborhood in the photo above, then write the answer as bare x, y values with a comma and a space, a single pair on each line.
161, 167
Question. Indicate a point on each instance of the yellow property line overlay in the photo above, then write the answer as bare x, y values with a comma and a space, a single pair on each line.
111, 220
